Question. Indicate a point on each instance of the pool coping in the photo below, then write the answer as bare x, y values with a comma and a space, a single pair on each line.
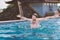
12, 21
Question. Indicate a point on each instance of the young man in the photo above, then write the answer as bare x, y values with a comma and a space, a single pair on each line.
35, 21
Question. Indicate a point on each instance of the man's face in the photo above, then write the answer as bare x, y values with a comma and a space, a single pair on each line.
33, 17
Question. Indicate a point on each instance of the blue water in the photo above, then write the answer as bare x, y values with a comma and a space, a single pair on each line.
49, 30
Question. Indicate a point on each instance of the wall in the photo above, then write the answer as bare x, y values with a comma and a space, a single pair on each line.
42, 8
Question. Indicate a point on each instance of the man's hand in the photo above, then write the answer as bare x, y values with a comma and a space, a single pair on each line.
22, 17
19, 16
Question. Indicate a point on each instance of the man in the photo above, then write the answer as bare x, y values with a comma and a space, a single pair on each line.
35, 21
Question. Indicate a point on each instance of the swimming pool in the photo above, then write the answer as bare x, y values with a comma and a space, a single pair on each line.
20, 30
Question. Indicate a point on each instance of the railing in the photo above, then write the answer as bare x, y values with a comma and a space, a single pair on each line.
52, 0
39, 0
31, 0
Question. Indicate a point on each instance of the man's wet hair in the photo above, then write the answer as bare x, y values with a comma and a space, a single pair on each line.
34, 14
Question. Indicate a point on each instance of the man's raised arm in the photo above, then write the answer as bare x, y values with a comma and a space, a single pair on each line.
23, 18
49, 17
55, 16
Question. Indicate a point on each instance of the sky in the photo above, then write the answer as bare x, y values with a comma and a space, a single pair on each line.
3, 4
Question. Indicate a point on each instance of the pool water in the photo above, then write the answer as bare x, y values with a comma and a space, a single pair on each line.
20, 30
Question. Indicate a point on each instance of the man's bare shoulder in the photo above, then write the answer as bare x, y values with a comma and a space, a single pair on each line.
40, 18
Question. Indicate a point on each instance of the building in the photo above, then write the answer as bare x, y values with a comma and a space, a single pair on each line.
41, 7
